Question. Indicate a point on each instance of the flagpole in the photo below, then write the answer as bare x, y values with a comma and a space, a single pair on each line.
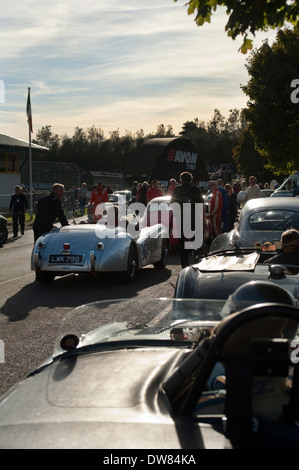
30, 177
30, 162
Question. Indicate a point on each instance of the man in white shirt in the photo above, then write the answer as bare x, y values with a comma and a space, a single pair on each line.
253, 190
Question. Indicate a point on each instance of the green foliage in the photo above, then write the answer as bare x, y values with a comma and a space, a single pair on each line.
249, 161
215, 139
90, 149
272, 117
247, 16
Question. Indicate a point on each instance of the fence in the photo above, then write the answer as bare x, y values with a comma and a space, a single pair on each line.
68, 203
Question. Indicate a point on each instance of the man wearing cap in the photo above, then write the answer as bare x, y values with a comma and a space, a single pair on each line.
99, 195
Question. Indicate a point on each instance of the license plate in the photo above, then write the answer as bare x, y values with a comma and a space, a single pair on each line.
66, 259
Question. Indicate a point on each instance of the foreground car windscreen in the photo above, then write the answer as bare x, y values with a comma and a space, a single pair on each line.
152, 319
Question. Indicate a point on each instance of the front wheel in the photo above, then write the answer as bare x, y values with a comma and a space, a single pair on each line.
162, 263
3, 234
132, 266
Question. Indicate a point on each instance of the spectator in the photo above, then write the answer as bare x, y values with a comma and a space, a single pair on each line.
134, 190
153, 191
73, 197
225, 206
83, 197
48, 210
99, 195
289, 252
233, 205
215, 208
186, 192
141, 193
172, 184
237, 186
253, 190
18, 207
109, 189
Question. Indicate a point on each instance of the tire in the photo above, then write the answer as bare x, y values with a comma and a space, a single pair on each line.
132, 266
162, 263
3, 234
44, 276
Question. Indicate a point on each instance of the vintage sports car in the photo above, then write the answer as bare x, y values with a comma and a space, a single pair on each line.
159, 210
98, 248
188, 374
3, 230
261, 221
238, 256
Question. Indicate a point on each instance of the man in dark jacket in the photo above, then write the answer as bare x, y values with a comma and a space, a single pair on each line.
17, 207
48, 210
184, 193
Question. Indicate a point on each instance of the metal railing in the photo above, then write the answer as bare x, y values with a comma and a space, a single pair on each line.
70, 205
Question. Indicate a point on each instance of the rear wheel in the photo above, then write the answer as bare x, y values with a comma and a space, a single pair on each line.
3, 234
132, 267
162, 263
43, 276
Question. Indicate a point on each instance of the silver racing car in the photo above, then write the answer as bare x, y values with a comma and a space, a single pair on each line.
95, 248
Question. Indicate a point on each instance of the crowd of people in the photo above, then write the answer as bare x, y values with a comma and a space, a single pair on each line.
225, 201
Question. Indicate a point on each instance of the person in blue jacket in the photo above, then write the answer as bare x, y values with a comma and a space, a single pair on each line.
225, 206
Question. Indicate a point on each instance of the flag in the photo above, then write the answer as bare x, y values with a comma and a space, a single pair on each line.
29, 112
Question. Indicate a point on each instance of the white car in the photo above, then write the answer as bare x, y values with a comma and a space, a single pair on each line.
96, 248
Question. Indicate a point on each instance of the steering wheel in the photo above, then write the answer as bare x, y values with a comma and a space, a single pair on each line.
229, 336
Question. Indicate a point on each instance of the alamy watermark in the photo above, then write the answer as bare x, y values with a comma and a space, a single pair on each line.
295, 94
183, 221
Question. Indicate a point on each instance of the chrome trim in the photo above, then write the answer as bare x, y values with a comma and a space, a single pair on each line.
36, 258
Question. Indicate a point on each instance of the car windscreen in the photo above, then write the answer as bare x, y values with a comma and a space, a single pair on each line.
274, 220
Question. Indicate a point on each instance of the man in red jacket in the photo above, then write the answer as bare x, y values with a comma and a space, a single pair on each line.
98, 196
215, 208
154, 191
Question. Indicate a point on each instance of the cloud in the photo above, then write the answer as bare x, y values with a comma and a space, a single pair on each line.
126, 65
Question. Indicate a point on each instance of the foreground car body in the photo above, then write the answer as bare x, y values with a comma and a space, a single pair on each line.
3, 230
218, 276
126, 386
94, 248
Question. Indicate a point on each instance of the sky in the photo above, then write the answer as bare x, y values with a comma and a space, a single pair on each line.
116, 65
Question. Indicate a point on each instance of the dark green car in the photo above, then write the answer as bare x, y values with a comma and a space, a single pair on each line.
3, 230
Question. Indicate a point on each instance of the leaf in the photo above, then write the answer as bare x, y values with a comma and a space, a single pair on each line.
247, 45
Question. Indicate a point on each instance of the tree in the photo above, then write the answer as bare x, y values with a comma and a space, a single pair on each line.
271, 114
162, 131
249, 161
47, 138
216, 139
247, 16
